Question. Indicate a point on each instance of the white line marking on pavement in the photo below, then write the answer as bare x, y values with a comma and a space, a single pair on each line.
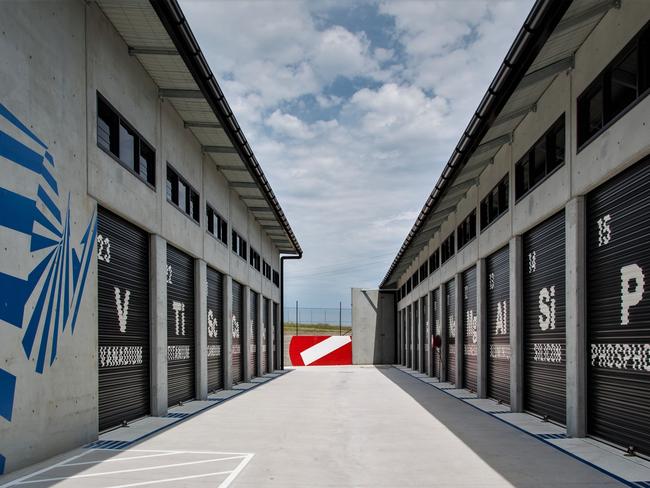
133, 470
170, 453
237, 470
142, 483
323, 348
40, 471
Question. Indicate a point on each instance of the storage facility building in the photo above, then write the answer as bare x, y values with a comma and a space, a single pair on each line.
530, 255
141, 244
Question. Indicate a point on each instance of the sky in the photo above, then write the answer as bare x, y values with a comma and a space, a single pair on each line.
352, 109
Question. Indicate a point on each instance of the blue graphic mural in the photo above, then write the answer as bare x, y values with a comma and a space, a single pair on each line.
44, 302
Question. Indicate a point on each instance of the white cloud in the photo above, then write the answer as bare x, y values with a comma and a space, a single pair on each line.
352, 168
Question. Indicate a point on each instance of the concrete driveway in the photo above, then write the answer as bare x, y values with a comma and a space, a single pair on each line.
331, 427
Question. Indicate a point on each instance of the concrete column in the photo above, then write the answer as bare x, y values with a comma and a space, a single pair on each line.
482, 349
516, 325
409, 324
158, 324
460, 339
576, 318
226, 354
432, 322
443, 333
403, 332
262, 325
246, 332
201, 331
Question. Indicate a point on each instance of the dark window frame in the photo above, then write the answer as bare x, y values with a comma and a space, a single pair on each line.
448, 248
434, 261
138, 140
222, 234
239, 246
503, 186
528, 158
276, 278
254, 259
191, 193
467, 224
640, 42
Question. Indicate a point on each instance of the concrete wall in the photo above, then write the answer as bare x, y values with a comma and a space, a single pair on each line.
621, 145
373, 327
56, 57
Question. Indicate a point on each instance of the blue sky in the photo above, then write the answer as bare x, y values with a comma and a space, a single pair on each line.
352, 109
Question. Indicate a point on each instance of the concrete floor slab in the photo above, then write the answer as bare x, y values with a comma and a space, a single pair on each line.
334, 427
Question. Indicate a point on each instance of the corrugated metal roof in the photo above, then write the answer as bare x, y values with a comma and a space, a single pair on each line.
555, 54
144, 30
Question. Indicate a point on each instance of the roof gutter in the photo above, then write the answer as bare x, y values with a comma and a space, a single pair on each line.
176, 25
540, 23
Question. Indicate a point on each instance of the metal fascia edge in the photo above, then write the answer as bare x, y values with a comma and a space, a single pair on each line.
178, 29
542, 19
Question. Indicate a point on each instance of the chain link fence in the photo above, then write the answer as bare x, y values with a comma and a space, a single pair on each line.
317, 321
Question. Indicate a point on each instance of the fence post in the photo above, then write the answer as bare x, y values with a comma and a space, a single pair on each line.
340, 312
296, 317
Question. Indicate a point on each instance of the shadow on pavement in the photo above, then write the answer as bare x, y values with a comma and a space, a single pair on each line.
518, 457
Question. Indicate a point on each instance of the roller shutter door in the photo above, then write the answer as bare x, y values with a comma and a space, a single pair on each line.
253, 330
470, 329
276, 359
266, 314
618, 277
409, 343
424, 334
416, 334
450, 297
544, 320
215, 330
237, 315
180, 326
498, 325
437, 330
123, 320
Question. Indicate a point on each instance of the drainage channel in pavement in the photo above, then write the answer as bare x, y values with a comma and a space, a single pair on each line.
631, 471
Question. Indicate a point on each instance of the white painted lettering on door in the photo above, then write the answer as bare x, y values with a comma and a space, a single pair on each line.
631, 295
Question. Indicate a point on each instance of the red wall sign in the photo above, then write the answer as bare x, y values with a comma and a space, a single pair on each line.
320, 350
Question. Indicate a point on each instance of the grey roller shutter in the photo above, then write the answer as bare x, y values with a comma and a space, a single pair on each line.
235, 321
265, 330
416, 334
253, 330
470, 329
123, 320
424, 328
450, 323
276, 359
215, 330
618, 317
409, 338
498, 325
544, 319
437, 330
180, 326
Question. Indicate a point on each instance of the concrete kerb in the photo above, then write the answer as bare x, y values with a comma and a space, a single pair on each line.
633, 484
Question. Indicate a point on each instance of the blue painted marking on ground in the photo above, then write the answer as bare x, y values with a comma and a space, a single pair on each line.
2, 464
